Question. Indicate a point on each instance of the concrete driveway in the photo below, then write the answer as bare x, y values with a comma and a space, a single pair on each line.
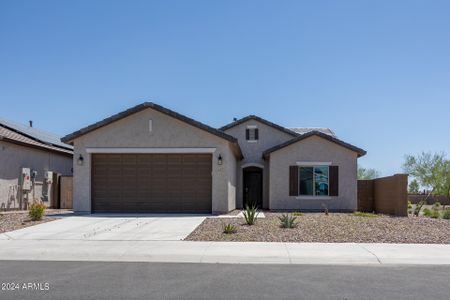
108, 227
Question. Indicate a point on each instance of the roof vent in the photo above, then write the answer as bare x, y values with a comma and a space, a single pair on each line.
31, 123
234, 119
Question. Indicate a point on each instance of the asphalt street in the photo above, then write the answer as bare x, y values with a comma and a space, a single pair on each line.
122, 280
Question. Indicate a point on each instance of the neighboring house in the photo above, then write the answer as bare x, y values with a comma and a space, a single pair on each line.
152, 159
27, 155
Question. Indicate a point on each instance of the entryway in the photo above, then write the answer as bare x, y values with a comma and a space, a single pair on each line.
253, 183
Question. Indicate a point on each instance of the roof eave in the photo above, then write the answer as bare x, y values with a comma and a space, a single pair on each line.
360, 152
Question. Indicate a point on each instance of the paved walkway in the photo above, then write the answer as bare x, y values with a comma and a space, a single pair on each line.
224, 252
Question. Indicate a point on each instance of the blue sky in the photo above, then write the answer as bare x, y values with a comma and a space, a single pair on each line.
376, 72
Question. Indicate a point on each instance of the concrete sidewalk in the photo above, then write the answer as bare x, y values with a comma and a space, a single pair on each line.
224, 252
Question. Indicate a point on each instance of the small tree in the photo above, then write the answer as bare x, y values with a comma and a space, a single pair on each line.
365, 174
432, 171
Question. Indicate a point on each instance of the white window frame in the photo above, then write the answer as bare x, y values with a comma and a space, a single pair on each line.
317, 165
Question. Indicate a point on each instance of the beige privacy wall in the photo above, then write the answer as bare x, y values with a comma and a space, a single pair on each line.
386, 195
167, 132
313, 149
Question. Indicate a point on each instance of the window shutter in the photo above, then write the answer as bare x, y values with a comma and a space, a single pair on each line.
247, 134
256, 133
293, 180
334, 180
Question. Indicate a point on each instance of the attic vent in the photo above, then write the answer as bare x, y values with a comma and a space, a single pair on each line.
150, 125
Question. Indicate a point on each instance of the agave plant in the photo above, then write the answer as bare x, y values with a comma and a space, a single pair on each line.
250, 214
288, 221
229, 229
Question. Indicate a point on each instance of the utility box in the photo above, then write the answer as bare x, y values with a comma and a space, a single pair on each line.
26, 179
48, 177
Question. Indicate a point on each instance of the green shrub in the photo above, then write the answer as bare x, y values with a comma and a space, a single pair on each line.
437, 205
288, 221
229, 229
297, 213
36, 211
364, 214
410, 205
435, 214
446, 214
427, 212
250, 214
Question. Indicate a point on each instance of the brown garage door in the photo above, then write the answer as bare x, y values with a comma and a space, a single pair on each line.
151, 182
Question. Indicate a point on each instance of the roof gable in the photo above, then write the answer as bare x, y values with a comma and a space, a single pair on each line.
70, 137
261, 120
328, 137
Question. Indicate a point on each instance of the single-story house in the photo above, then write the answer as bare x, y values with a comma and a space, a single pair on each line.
152, 159
30, 161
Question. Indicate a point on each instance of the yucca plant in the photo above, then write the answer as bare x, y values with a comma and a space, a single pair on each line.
288, 221
250, 214
229, 229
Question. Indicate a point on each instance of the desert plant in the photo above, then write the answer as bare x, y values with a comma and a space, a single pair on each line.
410, 205
36, 211
435, 214
364, 214
297, 213
427, 212
446, 214
288, 221
437, 205
229, 229
250, 214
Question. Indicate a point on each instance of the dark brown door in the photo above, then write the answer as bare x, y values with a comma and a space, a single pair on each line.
151, 182
253, 187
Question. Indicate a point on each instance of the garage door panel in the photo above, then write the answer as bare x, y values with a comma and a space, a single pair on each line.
151, 182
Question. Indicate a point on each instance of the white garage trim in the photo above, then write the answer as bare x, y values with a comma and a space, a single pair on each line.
150, 150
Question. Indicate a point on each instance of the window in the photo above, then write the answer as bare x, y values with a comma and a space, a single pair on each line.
314, 181
252, 133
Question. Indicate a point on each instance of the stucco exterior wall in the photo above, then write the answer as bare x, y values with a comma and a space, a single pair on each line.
13, 158
313, 149
167, 132
252, 151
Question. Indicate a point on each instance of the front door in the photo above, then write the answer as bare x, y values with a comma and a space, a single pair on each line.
253, 187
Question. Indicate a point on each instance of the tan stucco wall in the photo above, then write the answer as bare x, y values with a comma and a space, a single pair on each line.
133, 131
313, 149
268, 137
15, 157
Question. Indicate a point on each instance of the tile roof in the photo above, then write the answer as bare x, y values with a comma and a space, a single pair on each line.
19, 133
303, 130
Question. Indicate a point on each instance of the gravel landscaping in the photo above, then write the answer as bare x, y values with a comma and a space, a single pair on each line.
10, 221
334, 228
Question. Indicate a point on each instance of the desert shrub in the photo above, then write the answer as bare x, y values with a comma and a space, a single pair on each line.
288, 221
446, 214
437, 205
364, 214
36, 211
297, 213
229, 229
410, 205
435, 214
427, 212
250, 214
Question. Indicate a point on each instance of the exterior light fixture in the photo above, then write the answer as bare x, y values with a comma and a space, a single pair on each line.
80, 160
219, 160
